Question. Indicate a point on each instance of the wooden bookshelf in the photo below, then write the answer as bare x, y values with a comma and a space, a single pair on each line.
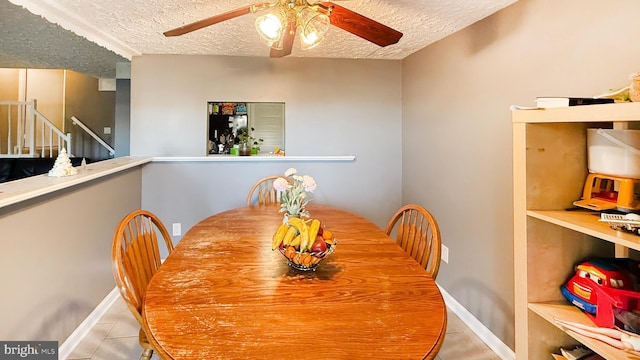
549, 170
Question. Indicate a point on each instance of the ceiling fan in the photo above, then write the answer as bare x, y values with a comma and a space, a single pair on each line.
286, 18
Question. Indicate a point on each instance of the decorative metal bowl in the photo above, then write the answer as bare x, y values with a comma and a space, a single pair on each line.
305, 261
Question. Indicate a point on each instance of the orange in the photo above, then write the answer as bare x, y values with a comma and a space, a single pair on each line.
290, 252
327, 235
305, 259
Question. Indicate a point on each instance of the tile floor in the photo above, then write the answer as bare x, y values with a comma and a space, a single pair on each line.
115, 337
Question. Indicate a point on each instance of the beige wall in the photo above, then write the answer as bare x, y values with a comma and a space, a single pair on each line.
94, 108
457, 126
55, 264
47, 87
332, 107
9, 84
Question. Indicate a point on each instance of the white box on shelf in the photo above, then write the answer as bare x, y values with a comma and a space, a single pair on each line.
614, 152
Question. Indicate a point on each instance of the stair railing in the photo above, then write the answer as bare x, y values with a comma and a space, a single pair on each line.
16, 114
76, 121
27, 122
48, 130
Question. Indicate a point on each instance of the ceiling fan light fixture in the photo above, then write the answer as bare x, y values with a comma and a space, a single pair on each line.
271, 26
307, 19
313, 26
278, 45
310, 41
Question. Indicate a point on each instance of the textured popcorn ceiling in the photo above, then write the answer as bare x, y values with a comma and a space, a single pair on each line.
126, 28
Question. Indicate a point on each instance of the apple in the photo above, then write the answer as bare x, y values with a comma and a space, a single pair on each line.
320, 231
319, 246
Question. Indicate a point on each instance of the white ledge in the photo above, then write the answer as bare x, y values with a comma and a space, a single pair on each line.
260, 158
13, 192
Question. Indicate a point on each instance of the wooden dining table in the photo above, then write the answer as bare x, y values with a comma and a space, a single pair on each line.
224, 294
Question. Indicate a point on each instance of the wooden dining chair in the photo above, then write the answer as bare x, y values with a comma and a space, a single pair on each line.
135, 258
264, 191
418, 233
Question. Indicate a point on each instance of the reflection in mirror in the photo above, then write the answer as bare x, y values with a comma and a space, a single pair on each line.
263, 120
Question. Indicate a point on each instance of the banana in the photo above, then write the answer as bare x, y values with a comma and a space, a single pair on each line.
288, 237
295, 222
296, 241
313, 230
302, 228
278, 236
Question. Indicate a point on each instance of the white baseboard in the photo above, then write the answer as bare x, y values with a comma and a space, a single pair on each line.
492, 341
87, 324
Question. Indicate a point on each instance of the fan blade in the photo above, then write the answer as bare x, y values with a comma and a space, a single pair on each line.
362, 26
216, 19
287, 41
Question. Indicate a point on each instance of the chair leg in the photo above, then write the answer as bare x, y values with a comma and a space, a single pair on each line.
146, 354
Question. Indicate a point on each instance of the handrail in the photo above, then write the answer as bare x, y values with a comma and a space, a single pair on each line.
76, 121
21, 107
52, 129
28, 122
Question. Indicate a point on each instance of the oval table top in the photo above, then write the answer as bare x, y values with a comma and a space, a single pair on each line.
224, 294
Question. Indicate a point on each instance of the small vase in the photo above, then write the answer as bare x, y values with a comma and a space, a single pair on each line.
244, 149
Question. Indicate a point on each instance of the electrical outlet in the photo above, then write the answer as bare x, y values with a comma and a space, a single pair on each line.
444, 254
177, 229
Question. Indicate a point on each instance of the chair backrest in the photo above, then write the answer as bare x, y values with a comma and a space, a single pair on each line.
135, 256
264, 191
418, 233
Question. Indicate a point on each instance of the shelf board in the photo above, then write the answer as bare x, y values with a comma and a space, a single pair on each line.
628, 111
587, 222
567, 312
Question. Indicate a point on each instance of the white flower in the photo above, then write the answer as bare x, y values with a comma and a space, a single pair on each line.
309, 183
290, 171
280, 184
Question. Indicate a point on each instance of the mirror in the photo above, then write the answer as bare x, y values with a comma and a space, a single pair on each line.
264, 122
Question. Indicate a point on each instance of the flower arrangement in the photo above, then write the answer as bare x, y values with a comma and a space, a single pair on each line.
294, 196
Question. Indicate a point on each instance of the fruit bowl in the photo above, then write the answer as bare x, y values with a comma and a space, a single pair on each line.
304, 260
303, 243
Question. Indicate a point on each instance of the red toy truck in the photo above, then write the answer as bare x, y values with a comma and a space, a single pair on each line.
600, 285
